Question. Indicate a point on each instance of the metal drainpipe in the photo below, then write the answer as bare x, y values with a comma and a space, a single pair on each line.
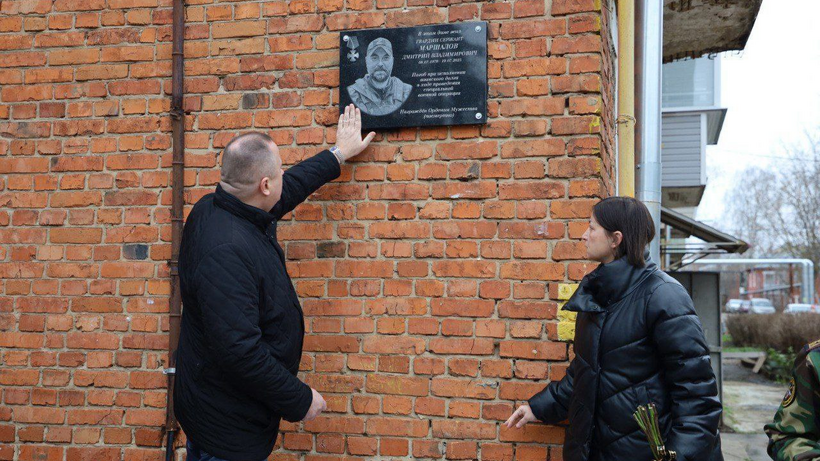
177, 203
649, 55
626, 98
807, 287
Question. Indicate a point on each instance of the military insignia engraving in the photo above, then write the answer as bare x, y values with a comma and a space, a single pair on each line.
352, 44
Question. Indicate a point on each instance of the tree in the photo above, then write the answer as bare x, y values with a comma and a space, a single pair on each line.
751, 211
777, 210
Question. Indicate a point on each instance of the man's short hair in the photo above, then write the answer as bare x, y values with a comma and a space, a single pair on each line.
247, 159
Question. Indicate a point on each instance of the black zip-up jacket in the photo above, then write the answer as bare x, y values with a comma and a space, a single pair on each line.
242, 325
638, 340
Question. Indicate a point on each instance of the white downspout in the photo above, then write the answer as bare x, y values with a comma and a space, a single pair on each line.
649, 54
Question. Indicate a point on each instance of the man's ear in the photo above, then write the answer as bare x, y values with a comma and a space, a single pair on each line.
264, 186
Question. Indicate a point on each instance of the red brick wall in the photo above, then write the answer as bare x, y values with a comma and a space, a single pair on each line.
429, 272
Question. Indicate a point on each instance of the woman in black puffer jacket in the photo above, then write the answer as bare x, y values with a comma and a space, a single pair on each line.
638, 340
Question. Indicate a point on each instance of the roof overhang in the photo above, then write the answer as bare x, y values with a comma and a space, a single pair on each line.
714, 125
690, 227
693, 28
715, 116
681, 197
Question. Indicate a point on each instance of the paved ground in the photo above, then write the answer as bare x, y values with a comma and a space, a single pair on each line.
744, 447
749, 402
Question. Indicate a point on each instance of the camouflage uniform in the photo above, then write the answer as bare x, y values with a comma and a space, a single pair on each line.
794, 435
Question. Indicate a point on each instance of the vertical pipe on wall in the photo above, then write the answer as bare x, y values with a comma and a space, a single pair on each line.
649, 55
177, 203
626, 98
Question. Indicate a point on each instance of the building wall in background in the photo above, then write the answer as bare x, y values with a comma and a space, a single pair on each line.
430, 272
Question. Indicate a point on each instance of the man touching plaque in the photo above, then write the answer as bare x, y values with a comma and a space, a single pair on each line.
242, 327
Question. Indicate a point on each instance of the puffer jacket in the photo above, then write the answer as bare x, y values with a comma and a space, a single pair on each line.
242, 325
638, 340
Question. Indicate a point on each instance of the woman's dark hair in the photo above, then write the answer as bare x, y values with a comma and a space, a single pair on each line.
632, 219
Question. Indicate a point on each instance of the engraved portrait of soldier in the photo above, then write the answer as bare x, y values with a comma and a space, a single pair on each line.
378, 92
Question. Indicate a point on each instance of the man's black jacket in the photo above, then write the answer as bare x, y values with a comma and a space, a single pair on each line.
638, 340
242, 325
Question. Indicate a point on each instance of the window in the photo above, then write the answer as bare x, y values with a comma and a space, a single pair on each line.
690, 83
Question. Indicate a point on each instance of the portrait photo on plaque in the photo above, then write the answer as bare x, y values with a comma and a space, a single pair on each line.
415, 76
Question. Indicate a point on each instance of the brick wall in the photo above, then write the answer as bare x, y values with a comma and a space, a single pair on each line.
430, 272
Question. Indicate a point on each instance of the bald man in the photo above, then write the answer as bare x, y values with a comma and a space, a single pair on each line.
242, 325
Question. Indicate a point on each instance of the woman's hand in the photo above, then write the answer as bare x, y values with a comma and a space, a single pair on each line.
521, 417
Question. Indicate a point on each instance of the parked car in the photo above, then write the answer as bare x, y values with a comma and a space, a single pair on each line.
802, 309
733, 305
762, 306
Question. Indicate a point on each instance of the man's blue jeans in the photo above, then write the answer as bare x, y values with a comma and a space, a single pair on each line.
195, 454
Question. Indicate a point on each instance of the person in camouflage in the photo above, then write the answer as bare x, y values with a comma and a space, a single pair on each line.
794, 435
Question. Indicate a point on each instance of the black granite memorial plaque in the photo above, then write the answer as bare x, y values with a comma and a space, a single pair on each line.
415, 76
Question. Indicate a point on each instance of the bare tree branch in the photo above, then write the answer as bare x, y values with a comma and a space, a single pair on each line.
778, 210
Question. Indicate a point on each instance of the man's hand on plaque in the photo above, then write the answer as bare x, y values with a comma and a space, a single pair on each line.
349, 133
